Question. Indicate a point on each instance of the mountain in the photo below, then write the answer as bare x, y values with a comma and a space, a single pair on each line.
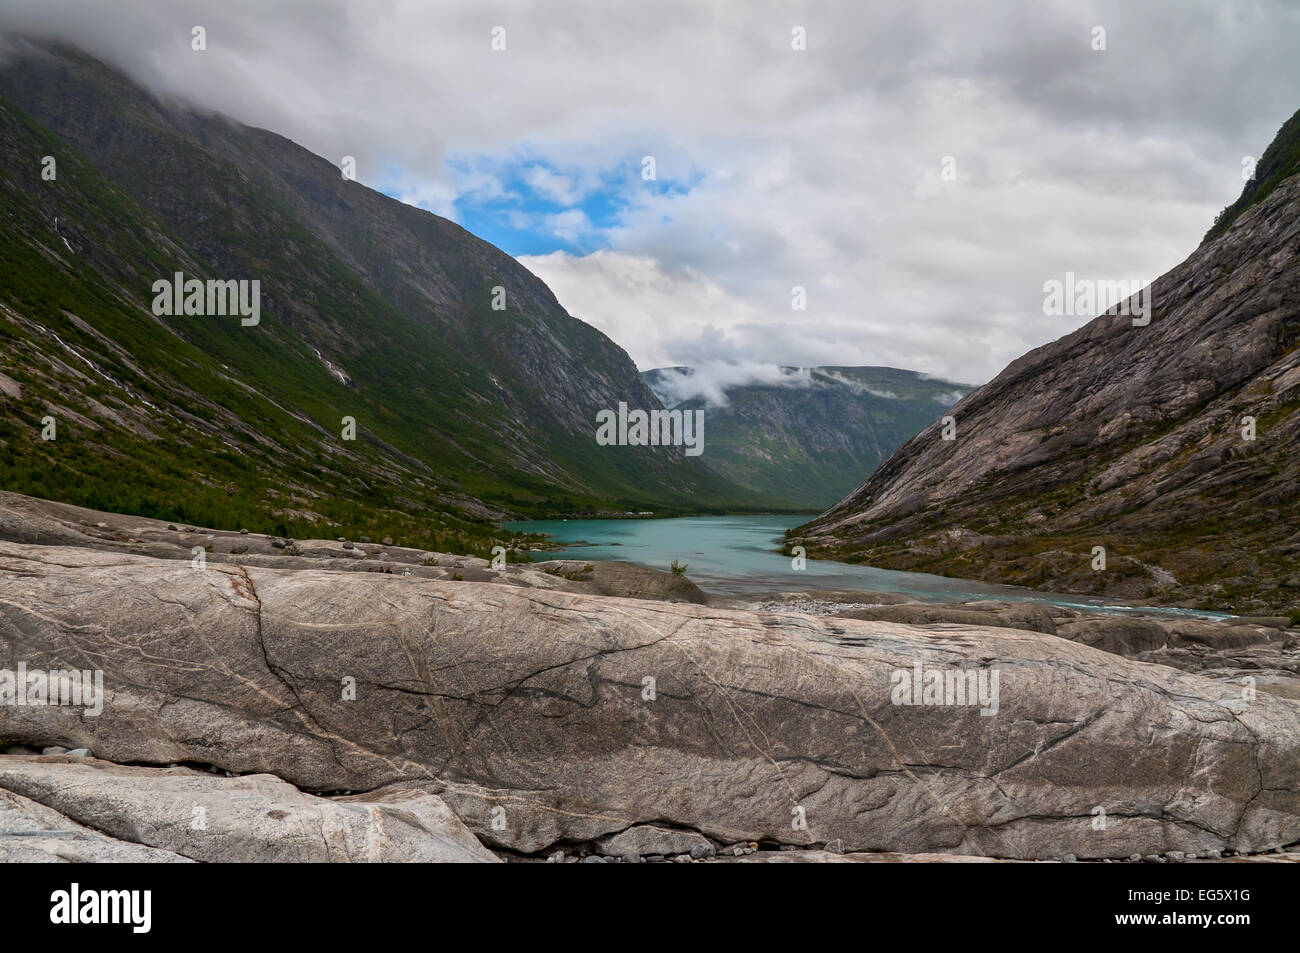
808, 435
369, 309
1132, 438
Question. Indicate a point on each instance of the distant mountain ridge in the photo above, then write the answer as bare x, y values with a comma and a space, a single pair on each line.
807, 435
371, 310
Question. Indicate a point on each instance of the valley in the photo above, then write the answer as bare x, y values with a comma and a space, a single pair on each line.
439, 441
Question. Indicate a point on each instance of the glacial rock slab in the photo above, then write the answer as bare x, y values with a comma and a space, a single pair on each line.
544, 717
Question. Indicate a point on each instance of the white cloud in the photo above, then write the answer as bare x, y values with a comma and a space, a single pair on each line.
712, 379
819, 168
551, 185
659, 318
569, 225
436, 197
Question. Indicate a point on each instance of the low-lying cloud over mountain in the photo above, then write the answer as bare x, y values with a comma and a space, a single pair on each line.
711, 381
807, 435
775, 167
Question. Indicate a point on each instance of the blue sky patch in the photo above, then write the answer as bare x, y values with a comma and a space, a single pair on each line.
526, 205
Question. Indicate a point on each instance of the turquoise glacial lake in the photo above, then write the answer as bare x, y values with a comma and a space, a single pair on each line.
739, 556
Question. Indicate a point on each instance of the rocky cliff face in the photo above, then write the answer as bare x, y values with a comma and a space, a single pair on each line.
811, 436
1171, 445
369, 310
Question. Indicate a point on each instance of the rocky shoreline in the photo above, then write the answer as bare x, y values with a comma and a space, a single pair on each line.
281, 703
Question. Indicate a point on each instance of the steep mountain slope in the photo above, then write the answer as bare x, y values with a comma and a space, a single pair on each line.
811, 436
1280, 161
1129, 438
370, 309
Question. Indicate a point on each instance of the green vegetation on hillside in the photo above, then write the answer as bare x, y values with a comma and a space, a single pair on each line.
1280, 161
463, 414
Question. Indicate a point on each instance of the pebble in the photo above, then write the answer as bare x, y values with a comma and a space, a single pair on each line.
79, 753
1069, 859
54, 749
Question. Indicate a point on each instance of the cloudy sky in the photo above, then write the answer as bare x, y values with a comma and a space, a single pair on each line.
822, 168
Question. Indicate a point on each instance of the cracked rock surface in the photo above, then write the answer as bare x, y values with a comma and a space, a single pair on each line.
544, 717
136, 813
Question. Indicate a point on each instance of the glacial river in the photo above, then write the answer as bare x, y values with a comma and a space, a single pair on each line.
739, 556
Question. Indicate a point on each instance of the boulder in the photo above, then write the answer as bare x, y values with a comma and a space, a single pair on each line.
646, 840
643, 582
1122, 635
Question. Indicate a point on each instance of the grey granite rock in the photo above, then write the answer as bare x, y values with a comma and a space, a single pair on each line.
528, 712
197, 815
